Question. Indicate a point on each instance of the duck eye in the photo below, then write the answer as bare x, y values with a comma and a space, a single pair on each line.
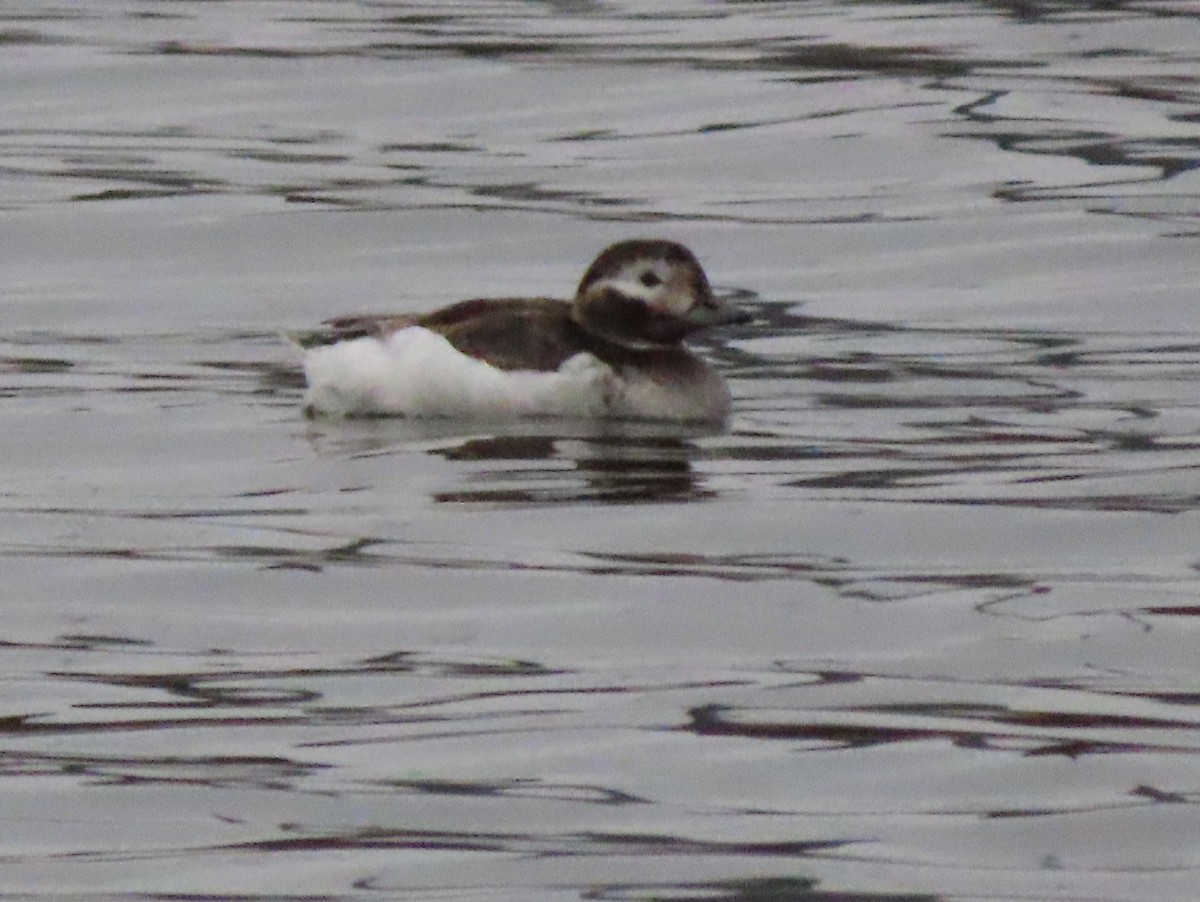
650, 278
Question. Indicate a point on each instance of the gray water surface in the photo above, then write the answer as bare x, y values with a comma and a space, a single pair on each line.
922, 624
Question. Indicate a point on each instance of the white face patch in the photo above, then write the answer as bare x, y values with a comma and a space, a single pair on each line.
657, 283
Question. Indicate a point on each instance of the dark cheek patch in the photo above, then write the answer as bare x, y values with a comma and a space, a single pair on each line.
623, 315
665, 329
628, 321
632, 318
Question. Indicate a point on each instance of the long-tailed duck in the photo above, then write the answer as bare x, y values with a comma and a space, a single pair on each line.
615, 351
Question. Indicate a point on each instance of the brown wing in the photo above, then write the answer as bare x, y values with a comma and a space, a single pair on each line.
510, 334
345, 328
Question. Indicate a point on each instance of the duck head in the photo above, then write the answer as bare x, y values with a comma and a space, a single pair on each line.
648, 293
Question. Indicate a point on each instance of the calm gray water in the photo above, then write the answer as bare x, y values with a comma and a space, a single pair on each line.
923, 624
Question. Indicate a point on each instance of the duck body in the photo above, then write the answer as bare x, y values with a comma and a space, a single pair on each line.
613, 352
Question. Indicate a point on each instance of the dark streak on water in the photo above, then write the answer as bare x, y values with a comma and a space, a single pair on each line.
995, 419
392, 175
921, 625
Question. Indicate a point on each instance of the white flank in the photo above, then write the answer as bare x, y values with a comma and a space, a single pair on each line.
416, 372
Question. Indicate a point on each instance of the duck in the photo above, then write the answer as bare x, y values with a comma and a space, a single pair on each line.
613, 352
